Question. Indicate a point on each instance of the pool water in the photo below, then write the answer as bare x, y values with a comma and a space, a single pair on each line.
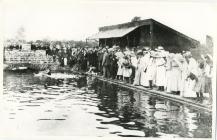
85, 106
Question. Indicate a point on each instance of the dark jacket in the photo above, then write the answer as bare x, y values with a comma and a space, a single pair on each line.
106, 59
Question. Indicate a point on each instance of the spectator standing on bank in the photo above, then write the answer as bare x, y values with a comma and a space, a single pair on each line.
113, 64
151, 70
145, 61
127, 68
120, 56
134, 62
105, 63
192, 70
208, 75
138, 68
175, 78
161, 68
100, 58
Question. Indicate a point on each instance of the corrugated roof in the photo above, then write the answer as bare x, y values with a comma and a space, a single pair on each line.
113, 33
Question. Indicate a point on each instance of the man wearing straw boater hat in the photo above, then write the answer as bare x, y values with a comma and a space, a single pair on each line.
161, 68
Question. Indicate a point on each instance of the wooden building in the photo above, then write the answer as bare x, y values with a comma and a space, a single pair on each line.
149, 32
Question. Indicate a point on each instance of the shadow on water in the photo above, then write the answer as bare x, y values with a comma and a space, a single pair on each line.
130, 110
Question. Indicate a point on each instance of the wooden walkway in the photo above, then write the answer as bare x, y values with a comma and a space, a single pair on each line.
172, 97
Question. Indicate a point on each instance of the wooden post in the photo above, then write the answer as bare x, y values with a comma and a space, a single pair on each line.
128, 41
151, 36
134, 41
112, 41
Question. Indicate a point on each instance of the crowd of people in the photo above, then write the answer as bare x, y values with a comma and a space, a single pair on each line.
177, 73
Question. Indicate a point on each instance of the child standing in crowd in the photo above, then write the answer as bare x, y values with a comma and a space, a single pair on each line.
120, 56
127, 70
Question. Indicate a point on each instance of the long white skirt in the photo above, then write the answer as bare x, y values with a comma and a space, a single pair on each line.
168, 80
127, 72
175, 79
144, 79
65, 61
161, 76
189, 88
151, 72
120, 71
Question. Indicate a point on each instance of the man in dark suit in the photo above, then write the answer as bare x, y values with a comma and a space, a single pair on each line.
105, 63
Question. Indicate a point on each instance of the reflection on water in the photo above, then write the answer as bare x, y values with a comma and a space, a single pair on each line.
85, 106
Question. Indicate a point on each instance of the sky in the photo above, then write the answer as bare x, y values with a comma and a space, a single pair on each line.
77, 20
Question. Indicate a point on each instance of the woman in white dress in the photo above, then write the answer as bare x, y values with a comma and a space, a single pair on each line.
151, 71
175, 79
138, 68
127, 70
120, 56
184, 73
168, 72
144, 62
192, 72
161, 69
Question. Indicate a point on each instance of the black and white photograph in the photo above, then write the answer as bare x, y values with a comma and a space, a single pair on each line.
108, 69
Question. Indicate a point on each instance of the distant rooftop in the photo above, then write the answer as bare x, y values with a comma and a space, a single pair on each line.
141, 23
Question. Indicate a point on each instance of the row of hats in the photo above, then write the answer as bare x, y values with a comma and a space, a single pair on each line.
159, 51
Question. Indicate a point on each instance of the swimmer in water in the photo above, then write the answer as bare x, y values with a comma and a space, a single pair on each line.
48, 72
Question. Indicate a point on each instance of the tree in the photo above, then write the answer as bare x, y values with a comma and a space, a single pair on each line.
136, 19
20, 35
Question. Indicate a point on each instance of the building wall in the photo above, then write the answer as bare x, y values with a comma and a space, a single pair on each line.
170, 40
145, 37
141, 36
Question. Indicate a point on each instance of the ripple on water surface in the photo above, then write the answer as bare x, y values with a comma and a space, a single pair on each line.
84, 106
